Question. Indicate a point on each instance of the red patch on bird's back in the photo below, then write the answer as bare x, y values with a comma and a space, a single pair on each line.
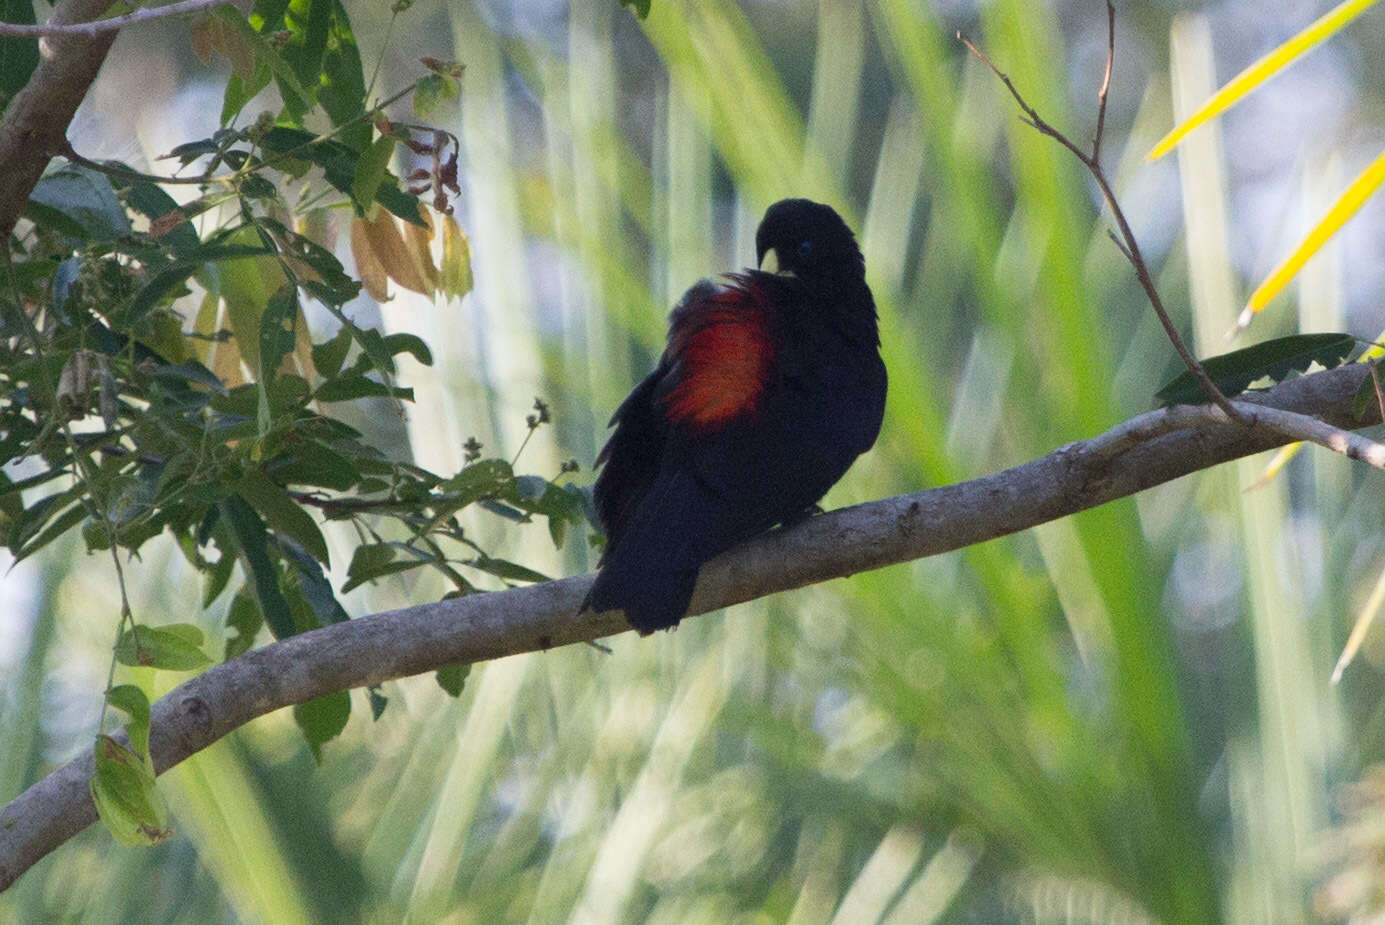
721, 343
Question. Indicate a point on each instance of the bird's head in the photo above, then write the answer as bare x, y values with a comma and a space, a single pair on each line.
808, 240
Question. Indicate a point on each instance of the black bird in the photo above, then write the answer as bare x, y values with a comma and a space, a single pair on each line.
771, 385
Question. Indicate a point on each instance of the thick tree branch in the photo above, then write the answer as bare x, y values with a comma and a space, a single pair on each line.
1145, 451
34, 128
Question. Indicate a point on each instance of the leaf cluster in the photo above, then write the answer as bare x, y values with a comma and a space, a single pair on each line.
158, 375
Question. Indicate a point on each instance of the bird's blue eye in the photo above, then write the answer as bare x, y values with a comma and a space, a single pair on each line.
805, 248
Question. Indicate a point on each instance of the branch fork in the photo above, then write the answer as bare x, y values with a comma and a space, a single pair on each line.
1127, 243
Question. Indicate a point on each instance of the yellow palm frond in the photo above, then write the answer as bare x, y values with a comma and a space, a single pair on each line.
1262, 70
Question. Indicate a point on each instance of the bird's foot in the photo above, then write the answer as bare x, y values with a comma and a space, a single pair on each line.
794, 520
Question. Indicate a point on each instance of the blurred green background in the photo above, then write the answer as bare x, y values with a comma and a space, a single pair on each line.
1122, 716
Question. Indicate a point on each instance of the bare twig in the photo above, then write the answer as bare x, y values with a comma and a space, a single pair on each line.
98, 26
1093, 164
1288, 424
67, 151
1105, 81
1146, 451
1120, 245
1375, 381
1305, 427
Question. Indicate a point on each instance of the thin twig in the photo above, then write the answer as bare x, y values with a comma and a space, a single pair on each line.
1375, 381
126, 173
1141, 429
95, 27
1032, 115
1304, 427
1105, 81
1132, 247
1120, 245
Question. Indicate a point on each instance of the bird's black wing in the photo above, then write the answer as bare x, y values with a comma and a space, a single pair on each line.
629, 462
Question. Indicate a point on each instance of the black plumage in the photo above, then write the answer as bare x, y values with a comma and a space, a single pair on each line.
771, 385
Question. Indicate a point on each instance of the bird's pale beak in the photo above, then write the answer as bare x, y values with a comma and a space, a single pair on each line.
770, 264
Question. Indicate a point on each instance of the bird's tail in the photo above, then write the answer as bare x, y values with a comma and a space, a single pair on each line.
651, 598
650, 569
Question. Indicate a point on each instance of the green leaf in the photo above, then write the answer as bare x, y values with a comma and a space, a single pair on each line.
268, 15
123, 787
189, 151
313, 463
11, 503
378, 702
486, 478
132, 701
240, 91
339, 164
431, 90
49, 218
1367, 402
246, 618
85, 197
453, 678
500, 509
640, 7
176, 647
399, 203
503, 568
246, 285
125, 796
277, 325
408, 343
329, 355
529, 490
341, 82
150, 200
1233, 372
252, 549
191, 371
394, 568
308, 579
18, 55
340, 288
322, 719
282, 513
327, 153
288, 393
254, 186
217, 578
297, 98
215, 253
308, 23
370, 171
348, 388
563, 505
152, 292
370, 560
375, 356
23, 533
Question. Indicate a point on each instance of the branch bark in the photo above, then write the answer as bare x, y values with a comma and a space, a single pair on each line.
97, 26
1148, 450
34, 127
